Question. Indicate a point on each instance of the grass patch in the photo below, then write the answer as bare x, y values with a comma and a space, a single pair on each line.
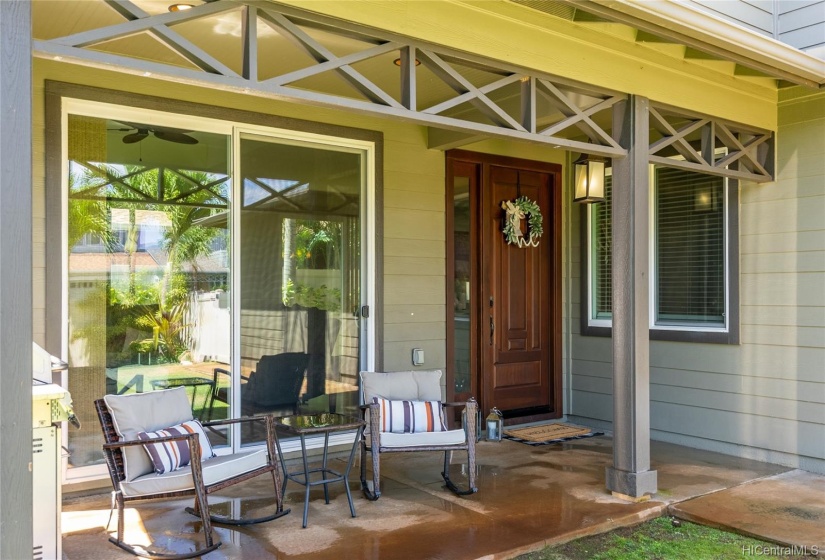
657, 540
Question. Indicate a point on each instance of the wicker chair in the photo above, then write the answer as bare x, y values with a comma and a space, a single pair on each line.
123, 417
412, 386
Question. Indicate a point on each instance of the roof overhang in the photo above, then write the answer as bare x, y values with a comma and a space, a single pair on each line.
703, 31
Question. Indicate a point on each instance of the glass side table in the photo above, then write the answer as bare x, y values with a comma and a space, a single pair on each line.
303, 425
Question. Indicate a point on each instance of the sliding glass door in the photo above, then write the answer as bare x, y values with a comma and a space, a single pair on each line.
300, 277
229, 261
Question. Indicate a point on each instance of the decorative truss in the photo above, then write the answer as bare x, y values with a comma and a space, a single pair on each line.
459, 96
430, 85
707, 145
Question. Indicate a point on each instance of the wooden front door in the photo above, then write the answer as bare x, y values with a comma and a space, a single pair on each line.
515, 311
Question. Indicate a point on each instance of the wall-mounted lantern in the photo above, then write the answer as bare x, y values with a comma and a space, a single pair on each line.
589, 176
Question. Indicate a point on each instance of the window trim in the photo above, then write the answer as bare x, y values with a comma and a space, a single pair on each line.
676, 333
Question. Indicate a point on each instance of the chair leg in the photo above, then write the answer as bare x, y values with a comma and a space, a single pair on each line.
471, 465
375, 493
144, 553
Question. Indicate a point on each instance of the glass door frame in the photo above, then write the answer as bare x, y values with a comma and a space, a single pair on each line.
367, 337
369, 329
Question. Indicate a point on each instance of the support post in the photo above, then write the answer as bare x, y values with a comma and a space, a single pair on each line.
630, 475
15, 279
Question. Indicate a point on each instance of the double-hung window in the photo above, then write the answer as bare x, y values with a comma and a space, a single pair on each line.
693, 258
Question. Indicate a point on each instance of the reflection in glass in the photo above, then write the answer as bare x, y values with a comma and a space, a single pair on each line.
300, 277
148, 274
461, 280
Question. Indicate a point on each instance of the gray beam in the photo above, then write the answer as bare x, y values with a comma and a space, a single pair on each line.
408, 79
128, 65
15, 279
630, 474
249, 35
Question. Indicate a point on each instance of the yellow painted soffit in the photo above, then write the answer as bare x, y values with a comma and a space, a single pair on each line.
500, 30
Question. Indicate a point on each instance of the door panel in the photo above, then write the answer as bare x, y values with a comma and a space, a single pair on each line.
518, 288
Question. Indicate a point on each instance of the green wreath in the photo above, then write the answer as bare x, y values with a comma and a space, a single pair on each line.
515, 212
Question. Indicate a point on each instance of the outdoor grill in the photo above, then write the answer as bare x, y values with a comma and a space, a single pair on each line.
51, 405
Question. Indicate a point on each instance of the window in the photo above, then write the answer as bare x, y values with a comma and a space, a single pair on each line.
692, 217
689, 249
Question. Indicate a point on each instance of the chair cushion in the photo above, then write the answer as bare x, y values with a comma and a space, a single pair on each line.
405, 417
215, 470
423, 439
172, 455
146, 412
423, 385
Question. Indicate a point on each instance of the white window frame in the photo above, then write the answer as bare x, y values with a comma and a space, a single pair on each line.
232, 129
653, 325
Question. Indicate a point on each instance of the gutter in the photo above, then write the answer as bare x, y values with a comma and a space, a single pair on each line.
692, 27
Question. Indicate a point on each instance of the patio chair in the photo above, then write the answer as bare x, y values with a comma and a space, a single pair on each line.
388, 398
275, 385
150, 433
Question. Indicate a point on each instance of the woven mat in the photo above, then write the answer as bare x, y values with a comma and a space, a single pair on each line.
544, 434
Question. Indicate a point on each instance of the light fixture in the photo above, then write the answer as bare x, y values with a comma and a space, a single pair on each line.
180, 7
589, 179
397, 62
495, 425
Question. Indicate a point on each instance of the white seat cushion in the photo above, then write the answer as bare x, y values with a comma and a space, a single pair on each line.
214, 470
423, 439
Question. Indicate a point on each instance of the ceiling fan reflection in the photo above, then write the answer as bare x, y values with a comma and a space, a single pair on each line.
142, 131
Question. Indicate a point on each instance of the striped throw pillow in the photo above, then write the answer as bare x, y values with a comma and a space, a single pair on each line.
171, 455
407, 417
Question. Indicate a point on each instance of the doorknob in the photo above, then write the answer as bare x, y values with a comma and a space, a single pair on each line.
492, 329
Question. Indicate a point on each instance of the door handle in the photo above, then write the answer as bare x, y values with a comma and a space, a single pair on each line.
492, 329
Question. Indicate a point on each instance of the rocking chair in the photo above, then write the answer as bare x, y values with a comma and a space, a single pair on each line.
132, 423
412, 387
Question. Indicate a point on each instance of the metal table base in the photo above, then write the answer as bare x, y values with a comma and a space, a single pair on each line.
327, 475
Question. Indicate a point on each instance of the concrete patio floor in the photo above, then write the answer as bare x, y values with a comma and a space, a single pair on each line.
528, 497
788, 508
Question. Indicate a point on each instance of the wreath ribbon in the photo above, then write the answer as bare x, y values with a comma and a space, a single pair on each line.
516, 211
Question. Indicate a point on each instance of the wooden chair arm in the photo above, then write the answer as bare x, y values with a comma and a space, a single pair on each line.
164, 439
454, 404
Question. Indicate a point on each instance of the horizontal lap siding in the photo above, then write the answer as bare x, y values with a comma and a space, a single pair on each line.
802, 24
414, 254
754, 14
764, 398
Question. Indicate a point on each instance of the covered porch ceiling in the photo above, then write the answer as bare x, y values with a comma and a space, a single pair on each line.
263, 48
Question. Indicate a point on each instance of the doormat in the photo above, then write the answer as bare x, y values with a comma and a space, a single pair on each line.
545, 434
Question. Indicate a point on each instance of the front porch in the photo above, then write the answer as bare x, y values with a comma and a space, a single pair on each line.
528, 497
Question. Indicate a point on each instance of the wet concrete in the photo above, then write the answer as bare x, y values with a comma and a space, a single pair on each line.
528, 497
788, 508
